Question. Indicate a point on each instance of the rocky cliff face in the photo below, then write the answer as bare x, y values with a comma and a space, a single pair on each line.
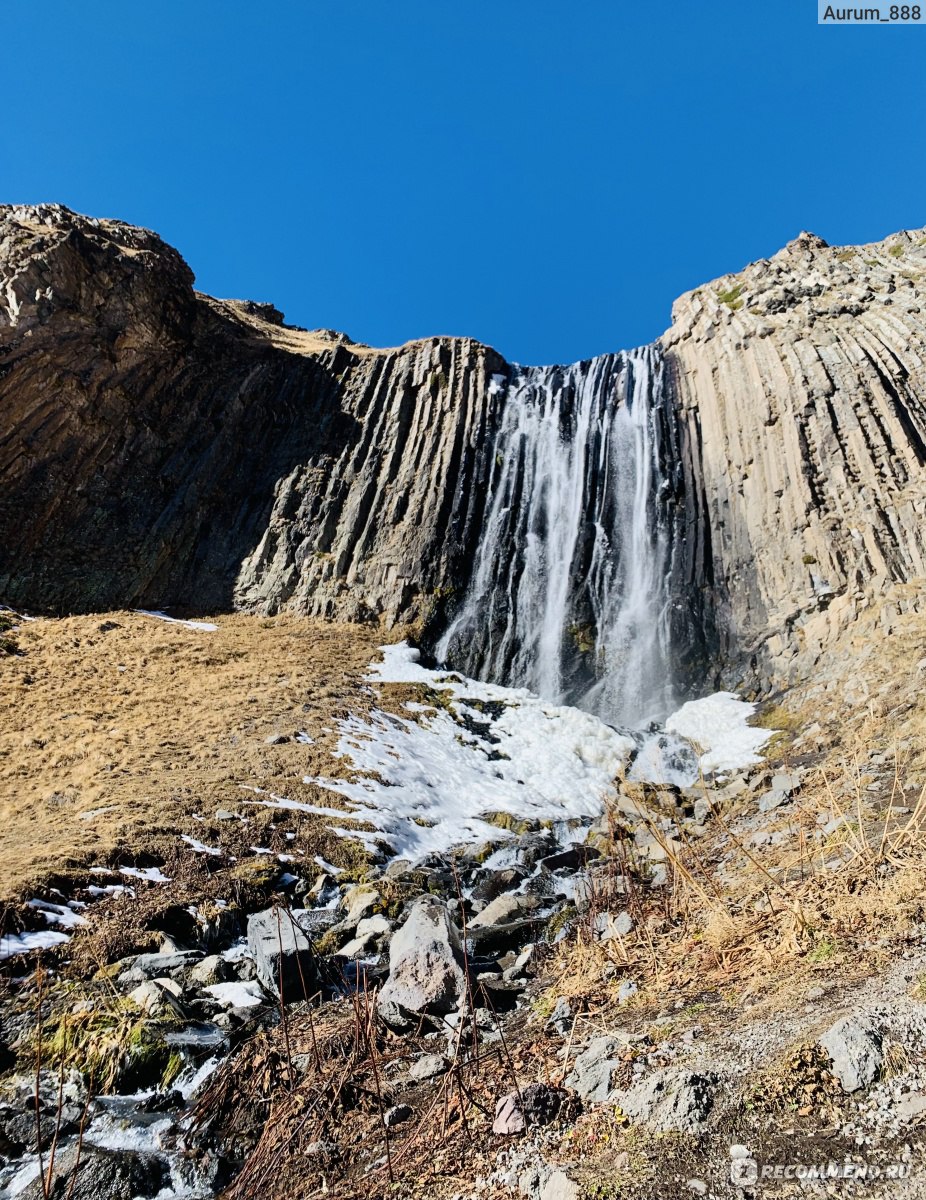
159, 447
803, 380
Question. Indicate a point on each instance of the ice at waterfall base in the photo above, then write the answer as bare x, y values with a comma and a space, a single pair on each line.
426, 782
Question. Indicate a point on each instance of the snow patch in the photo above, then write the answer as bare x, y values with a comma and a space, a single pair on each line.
237, 995
502, 750
202, 626
718, 726
23, 943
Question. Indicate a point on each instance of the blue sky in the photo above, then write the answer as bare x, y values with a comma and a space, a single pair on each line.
544, 176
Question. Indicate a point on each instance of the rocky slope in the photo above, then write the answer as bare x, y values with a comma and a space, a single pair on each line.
160, 447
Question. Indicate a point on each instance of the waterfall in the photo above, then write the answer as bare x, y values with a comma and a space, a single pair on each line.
569, 591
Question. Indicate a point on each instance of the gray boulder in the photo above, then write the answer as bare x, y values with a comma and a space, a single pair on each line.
594, 1069
282, 954
670, 1100
426, 976
855, 1049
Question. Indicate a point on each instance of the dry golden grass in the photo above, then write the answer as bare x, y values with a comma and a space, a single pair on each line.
116, 728
764, 922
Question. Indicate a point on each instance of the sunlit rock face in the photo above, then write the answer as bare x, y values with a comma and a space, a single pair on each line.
618, 533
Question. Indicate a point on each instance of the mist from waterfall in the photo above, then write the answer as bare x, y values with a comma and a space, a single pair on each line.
569, 590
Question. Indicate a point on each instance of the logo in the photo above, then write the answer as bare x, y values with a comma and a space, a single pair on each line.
744, 1170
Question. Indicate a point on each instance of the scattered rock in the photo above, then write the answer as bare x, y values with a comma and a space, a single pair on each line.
595, 1067
426, 975
855, 1049
670, 1100
282, 954
610, 927
537, 1104
397, 1114
561, 1017
427, 1067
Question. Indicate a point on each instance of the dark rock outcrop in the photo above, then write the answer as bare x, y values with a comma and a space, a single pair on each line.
160, 448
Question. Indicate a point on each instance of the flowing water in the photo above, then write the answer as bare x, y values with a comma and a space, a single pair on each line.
570, 589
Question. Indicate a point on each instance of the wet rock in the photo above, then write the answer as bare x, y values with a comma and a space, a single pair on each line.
532, 847
283, 955
570, 859
489, 884
493, 941
18, 1110
854, 1045
670, 1100
497, 994
537, 1104
113, 1174
426, 976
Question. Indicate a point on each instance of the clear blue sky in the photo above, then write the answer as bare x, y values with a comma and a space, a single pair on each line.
544, 176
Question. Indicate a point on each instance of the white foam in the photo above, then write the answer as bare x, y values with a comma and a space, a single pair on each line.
718, 726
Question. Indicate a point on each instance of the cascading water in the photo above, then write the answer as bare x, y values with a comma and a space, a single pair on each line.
570, 589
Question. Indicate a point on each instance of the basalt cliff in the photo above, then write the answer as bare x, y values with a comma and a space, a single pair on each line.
159, 447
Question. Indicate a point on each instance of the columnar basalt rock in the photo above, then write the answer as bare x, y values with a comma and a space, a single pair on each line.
159, 447
803, 380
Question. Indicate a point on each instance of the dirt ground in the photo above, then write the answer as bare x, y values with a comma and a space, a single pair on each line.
115, 729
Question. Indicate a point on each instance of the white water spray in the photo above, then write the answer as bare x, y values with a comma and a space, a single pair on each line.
569, 592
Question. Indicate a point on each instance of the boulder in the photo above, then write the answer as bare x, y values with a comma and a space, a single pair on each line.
109, 1174
507, 907
158, 998
426, 975
670, 1100
855, 1048
283, 955
213, 969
